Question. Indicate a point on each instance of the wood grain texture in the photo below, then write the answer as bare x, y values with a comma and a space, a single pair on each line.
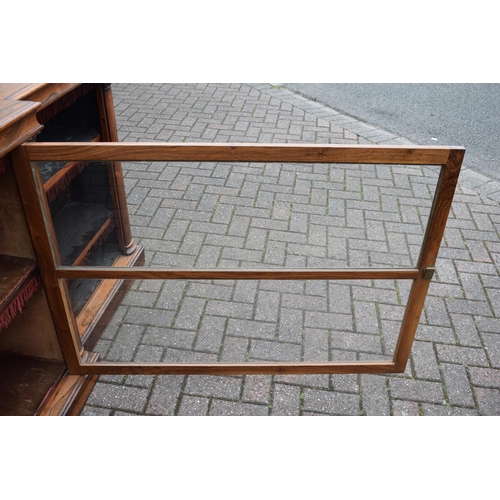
298, 153
68, 396
43, 93
436, 225
18, 123
302, 368
233, 274
36, 209
24, 382
115, 171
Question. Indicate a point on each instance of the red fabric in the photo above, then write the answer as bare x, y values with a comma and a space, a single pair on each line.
5, 163
65, 181
16, 306
64, 102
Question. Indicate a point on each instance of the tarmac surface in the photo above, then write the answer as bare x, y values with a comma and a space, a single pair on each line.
296, 215
451, 114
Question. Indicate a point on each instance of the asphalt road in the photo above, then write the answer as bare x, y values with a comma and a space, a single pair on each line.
429, 114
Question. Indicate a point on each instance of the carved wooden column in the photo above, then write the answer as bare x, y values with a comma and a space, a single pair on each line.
115, 172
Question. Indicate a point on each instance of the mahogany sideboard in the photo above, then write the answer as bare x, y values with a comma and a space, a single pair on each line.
34, 379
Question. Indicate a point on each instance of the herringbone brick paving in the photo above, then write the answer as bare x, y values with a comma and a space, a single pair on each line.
294, 215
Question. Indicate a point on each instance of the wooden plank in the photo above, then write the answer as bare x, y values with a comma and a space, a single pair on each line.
15, 273
18, 91
18, 123
35, 206
299, 368
68, 397
71, 272
297, 153
44, 93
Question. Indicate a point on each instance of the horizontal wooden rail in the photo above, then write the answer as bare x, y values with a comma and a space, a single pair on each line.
234, 152
299, 368
162, 273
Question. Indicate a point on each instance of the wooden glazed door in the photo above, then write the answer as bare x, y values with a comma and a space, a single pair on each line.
79, 359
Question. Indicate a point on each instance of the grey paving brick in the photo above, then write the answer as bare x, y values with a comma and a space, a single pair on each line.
416, 390
485, 377
165, 395
465, 330
118, 397
425, 362
211, 333
457, 385
447, 411
465, 355
89, 411
356, 342
339, 322
256, 389
375, 396
229, 408
286, 400
405, 408
230, 309
235, 350
193, 406
275, 351
267, 307
214, 386
488, 401
125, 343
331, 403
492, 347
251, 329
316, 343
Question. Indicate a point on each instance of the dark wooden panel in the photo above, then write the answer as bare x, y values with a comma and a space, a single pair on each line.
25, 381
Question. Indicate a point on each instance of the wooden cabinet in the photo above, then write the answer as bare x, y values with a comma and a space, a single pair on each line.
89, 221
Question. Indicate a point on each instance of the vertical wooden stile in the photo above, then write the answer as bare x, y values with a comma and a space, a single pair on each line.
436, 225
37, 212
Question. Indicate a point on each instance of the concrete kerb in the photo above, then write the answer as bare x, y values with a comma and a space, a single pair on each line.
469, 178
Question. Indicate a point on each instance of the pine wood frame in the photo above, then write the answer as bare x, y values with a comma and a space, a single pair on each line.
79, 361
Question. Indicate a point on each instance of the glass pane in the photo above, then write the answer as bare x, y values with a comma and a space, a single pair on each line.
204, 215
176, 321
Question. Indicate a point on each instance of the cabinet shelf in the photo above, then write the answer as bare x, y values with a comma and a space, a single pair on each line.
24, 382
57, 175
78, 227
105, 298
35, 386
18, 281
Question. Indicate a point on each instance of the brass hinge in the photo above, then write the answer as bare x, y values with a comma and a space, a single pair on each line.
429, 272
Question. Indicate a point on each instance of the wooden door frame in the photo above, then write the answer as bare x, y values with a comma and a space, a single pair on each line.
448, 158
